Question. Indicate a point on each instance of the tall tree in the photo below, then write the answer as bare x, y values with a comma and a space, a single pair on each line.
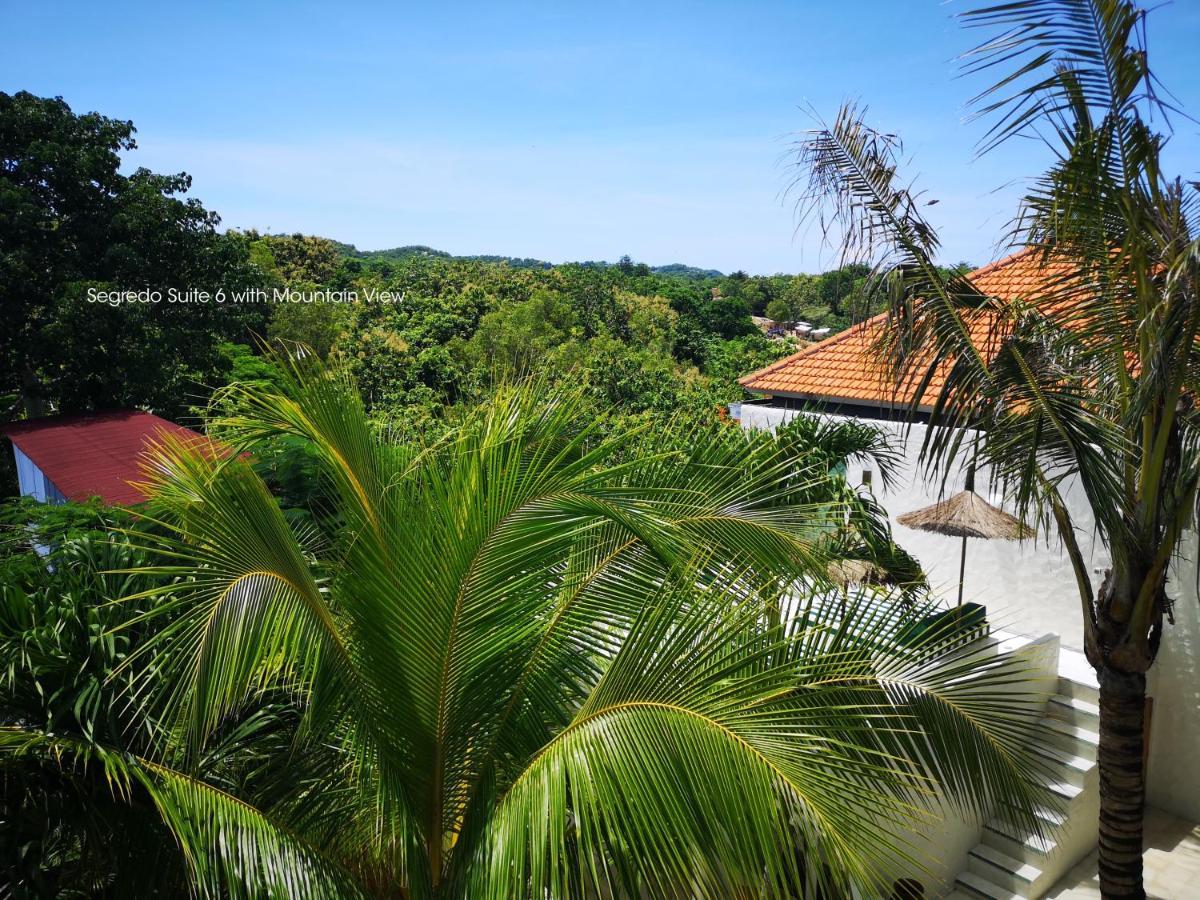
1095, 377
70, 221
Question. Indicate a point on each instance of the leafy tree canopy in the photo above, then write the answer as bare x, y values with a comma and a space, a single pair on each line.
70, 221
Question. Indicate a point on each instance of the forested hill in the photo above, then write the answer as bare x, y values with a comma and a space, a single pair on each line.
639, 339
517, 262
95, 261
833, 298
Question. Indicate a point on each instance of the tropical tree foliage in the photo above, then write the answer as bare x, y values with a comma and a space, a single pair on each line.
81, 236
1094, 378
531, 657
85, 810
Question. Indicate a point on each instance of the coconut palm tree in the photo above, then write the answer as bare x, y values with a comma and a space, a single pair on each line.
1093, 379
533, 658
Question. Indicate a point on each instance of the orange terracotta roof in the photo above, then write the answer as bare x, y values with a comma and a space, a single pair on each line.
846, 366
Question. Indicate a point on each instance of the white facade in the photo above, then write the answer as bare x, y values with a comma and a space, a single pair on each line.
1027, 586
1174, 686
1029, 589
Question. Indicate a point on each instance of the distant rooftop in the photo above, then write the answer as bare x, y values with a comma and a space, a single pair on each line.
95, 454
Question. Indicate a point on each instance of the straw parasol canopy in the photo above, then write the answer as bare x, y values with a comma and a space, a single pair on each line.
966, 515
854, 571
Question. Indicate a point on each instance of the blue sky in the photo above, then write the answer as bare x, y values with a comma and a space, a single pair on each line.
558, 131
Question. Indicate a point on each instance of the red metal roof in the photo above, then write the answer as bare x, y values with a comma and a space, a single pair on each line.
95, 454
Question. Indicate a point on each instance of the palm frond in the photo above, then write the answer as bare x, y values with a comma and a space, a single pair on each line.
1053, 55
819, 754
230, 848
511, 591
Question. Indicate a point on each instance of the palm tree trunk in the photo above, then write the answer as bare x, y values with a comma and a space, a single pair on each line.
1122, 783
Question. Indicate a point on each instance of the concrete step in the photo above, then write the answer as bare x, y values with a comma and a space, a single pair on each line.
1065, 764
1083, 754
975, 887
1064, 735
1003, 870
1053, 821
1018, 843
1074, 710
1070, 687
1051, 817
1064, 790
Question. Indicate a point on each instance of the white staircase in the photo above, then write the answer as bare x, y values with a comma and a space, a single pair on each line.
1008, 864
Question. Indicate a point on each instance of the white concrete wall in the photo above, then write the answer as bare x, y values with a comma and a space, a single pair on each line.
1174, 684
29, 477
1027, 586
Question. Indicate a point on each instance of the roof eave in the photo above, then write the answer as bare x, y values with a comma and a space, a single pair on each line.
846, 401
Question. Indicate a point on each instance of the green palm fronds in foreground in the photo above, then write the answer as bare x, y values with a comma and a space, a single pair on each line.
535, 659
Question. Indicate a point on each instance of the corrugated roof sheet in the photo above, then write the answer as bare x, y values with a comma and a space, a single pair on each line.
95, 454
846, 367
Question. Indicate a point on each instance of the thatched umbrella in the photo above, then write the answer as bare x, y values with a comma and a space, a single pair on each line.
845, 572
854, 571
966, 515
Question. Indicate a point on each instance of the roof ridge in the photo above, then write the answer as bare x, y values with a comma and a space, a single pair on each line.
71, 418
846, 333
842, 335
842, 368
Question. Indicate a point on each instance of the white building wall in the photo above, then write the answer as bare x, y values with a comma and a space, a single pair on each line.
1029, 588
29, 477
33, 481
1174, 685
